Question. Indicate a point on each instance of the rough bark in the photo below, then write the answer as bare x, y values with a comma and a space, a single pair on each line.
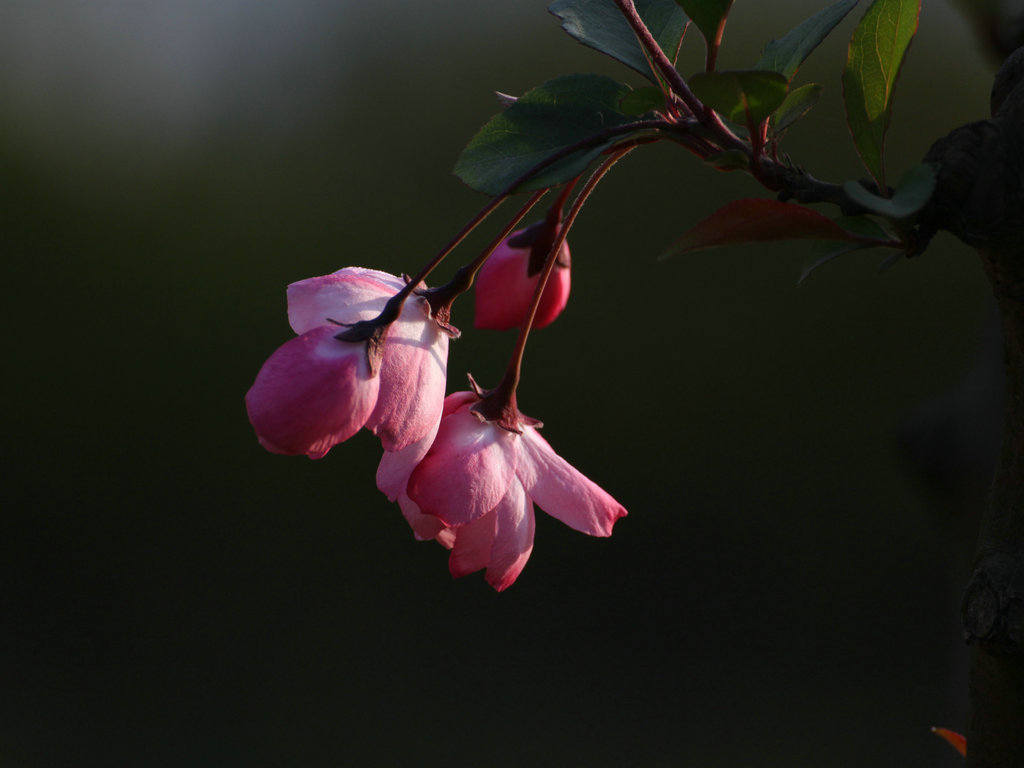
980, 198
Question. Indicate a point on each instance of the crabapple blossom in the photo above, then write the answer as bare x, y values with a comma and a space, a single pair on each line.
317, 390
480, 481
506, 283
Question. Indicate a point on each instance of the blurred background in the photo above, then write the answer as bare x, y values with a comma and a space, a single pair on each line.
785, 588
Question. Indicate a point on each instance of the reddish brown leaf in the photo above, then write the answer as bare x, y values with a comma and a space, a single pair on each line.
959, 742
760, 220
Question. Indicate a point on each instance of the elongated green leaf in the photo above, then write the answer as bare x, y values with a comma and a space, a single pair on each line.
599, 24
872, 68
786, 54
758, 220
911, 194
835, 250
824, 251
733, 93
708, 15
542, 122
797, 104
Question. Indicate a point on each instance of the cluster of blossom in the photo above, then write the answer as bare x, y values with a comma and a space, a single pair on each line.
463, 474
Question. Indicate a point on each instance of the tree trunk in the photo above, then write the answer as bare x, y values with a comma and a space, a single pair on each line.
993, 608
979, 197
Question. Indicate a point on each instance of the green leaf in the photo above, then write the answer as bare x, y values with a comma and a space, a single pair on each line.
911, 194
708, 15
758, 220
835, 250
642, 101
732, 93
599, 24
797, 104
876, 53
824, 251
542, 122
787, 54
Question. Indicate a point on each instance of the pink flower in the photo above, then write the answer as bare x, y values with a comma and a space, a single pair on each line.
479, 483
316, 391
506, 283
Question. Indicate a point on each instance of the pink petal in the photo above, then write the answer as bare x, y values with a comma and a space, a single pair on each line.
554, 298
413, 377
467, 470
396, 466
392, 477
347, 296
563, 491
472, 547
424, 527
457, 400
513, 538
504, 290
311, 394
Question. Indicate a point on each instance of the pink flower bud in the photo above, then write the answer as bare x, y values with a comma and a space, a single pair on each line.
506, 283
316, 390
480, 482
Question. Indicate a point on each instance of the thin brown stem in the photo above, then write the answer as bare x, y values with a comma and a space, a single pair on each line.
708, 118
650, 127
500, 403
442, 297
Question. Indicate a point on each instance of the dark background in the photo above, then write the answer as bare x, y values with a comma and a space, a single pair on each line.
784, 589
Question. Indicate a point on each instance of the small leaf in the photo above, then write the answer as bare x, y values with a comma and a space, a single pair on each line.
545, 120
873, 65
958, 742
708, 15
797, 104
599, 24
758, 220
786, 54
824, 251
733, 93
642, 101
911, 194
836, 250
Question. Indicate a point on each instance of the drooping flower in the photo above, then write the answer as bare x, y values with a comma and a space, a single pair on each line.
317, 390
393, 479
480, 482
506, 283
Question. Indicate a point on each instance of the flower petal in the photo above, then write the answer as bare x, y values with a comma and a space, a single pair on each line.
392, 477
513, 537
347, 296
471, 550
555, 296
312, 393
413, 375
396, 466
563, 491
424, 527
467, 470
457, 400
504, 290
